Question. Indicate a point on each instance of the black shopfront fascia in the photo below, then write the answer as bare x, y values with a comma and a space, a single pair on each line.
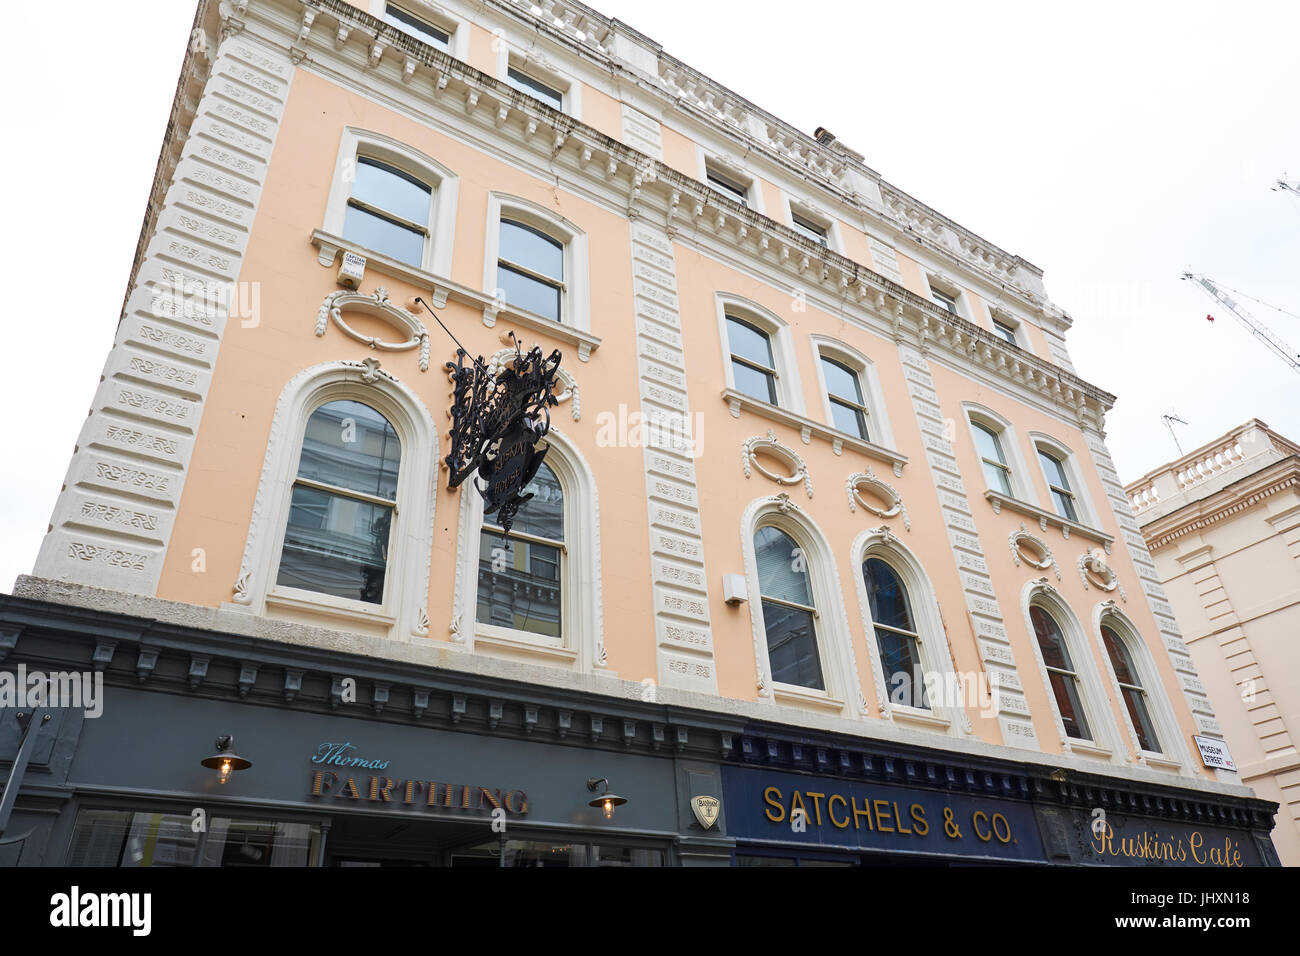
412, 770
415, 769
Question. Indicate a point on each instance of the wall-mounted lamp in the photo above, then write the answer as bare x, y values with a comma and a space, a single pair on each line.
225, 761
606, 801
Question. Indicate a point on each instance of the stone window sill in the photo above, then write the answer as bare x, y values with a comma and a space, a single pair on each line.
808, 428
1046, 518
442, 290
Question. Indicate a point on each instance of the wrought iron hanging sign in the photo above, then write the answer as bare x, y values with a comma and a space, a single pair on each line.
496, 423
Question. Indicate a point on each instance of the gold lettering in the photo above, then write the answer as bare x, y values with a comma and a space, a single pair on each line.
350, 789
1006, 825
899, 818
772, 797
880, 823
975, 819
320, 786
918, 819
411, 786
864, 812
796, 803
1196, 841
830, 811
817, 804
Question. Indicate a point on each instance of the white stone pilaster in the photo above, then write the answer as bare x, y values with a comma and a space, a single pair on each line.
113, 519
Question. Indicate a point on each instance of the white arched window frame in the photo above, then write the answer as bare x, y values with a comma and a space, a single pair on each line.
1173, 753
442, 182
575, 308
789, 394
878, 426
843, 694
1022, 487
932, 643
1101, 723
581, 645
404, 611
1083, 503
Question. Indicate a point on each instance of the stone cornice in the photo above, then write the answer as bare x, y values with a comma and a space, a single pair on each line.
1224, 503
758, 130
654, 189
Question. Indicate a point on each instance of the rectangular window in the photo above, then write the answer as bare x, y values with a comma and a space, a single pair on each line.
848, 413
540, 853
1006, 331
530, 270
416, 27
526, 84
809, 228
996, 472
128, 839
752, 367
727, 186
945, 300
519, 584
792, 645
388, 212
1059, 486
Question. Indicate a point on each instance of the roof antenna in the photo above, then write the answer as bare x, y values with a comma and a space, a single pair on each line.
1169, 418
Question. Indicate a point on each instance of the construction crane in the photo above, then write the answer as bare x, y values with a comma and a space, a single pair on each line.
1257, 328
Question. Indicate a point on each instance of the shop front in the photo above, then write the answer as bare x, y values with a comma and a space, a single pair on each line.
906, 808
332, 790
210, 748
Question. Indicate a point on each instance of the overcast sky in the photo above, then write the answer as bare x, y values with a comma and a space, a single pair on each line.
1114, 148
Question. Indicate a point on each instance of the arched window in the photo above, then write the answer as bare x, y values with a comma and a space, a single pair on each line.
389, 211
996, 471
1061, 673
520, 574
897, 637
789, 616
1129, 680
343, 504
530, 269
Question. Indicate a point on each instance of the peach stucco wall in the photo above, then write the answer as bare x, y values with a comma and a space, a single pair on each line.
255, 364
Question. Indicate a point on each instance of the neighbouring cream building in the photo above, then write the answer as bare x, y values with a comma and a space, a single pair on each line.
1223, 526
828, 561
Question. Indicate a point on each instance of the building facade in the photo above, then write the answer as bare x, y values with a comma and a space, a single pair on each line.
827, 560
1223, 526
